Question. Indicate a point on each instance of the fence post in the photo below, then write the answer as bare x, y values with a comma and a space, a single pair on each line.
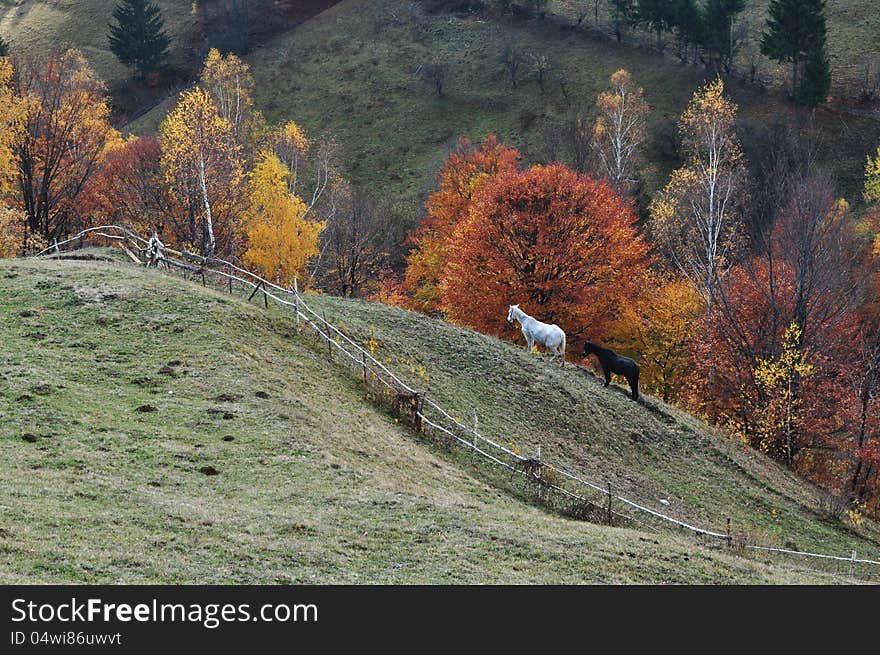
327, 330
729, 536
254, 292
230, 279
852, 562
364, 364
296, 304
474, 449
610, 516
265, 298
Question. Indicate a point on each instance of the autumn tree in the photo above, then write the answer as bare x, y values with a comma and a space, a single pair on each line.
280, 241
313, 165
229, 83
12, 232
697, 217
130, 189
872, 179
562, 245
620, 130
65, 131
793, 297
11, 113
202, 164
465, 171
661, 328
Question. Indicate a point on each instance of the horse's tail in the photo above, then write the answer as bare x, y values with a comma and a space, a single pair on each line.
563, 348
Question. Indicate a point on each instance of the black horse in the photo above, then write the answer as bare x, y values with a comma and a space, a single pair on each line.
613, 363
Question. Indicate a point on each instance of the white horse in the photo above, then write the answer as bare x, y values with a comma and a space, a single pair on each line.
550, 336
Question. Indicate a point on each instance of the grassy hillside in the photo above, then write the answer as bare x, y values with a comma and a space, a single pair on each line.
36, 27
351, 72
155, 431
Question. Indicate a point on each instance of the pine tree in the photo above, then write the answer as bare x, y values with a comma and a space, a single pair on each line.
817, 79
654, 16
719, 17
794, 30
138, 38
622, 12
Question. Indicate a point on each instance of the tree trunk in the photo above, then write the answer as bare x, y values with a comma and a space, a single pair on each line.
208, 218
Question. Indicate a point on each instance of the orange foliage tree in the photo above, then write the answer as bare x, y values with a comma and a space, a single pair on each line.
65, 133
562, 245
464, 173
130, 189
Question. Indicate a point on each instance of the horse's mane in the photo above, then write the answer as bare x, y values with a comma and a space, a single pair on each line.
597, 349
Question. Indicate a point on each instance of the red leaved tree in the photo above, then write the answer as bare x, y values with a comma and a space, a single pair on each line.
562, 245
464, 173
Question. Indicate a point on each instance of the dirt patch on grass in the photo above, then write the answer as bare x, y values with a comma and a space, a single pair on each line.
89, 295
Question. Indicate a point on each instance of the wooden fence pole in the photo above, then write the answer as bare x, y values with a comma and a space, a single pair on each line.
364, 365
610, 516
852, 563
254, 292
729, 536
474, 449
327, 331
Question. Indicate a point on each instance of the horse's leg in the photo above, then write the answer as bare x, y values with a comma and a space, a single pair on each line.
607, 372
634, 384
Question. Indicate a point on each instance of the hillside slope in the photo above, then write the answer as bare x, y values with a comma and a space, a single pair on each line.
155, 431
350, 73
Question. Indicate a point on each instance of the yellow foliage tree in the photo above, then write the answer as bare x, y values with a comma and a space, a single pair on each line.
229, 82
697, 217
872, 178
12, 233
10, 121
202, 165
660, 328
280, 240
777, 378
619, 130
291, 146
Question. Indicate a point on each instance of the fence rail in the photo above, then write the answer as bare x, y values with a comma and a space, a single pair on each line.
425, 412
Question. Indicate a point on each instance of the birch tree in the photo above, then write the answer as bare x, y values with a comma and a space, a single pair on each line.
697, 217
227, 79
202, 164
620, 130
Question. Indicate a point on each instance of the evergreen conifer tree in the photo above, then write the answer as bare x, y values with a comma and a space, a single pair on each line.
795, 32
138, 37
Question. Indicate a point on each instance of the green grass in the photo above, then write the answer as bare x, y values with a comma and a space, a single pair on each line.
318, 484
